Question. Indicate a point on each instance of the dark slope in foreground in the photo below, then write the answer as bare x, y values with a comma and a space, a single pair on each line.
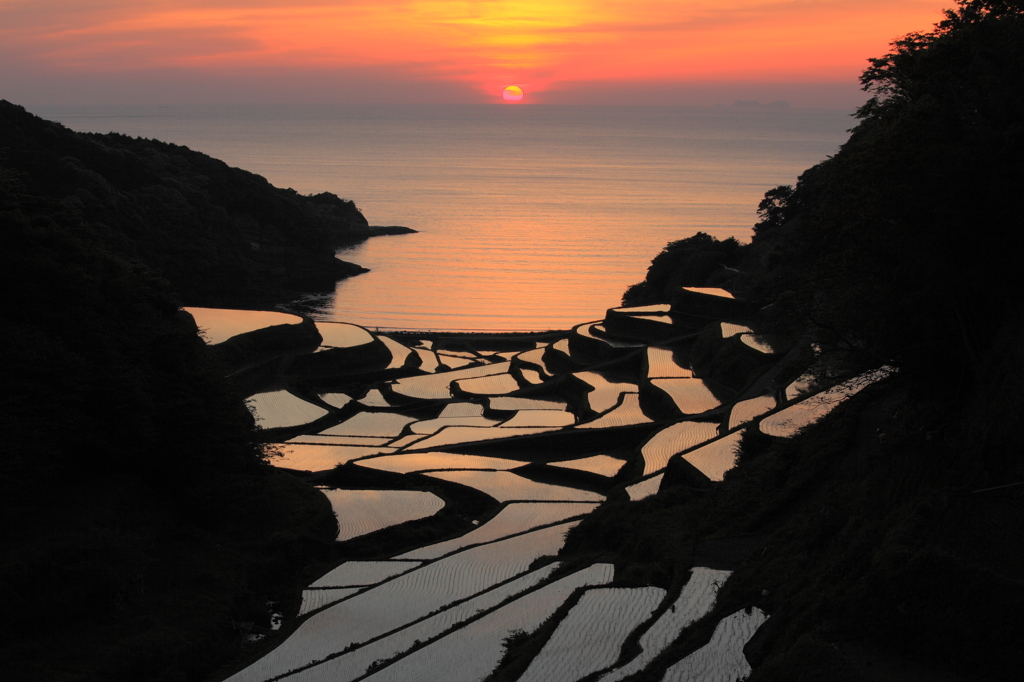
221, 236
885, 542
141, 528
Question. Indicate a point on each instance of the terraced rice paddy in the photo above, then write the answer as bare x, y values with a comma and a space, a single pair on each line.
399, 353
749, 410
454, 362
626, 413
364, 573
342, 440
516, 517
662, 319
462, 410
400, 601
220, 324
675, 439
709, 291
645, 309
602, 333
374, 398
661, 364
471, 652
717, 457
691, 396
436, 386
406, 441
441, 611
498, 384
354, 664
789, 421
428, 360
532, 376
342, 335
407, 463
322, 457
693, 603
729, 329
364, 511
460, 354
536, 357
278, 409
336, 399
587, 331
645, 488
539, 418
431, 426
604, 394
602, 465
454, 435
722, 658
317, 439
591, 636
372, 424
504, 486
509, 403
317, 599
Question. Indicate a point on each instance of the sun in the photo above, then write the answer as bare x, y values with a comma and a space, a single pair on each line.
512, 93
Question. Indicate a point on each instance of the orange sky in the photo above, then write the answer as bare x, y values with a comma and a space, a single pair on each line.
470, 50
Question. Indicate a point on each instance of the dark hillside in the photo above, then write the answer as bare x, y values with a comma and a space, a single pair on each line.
141, 527
885, 542
220, 235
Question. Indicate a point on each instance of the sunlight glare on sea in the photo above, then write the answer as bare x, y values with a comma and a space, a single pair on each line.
529, 217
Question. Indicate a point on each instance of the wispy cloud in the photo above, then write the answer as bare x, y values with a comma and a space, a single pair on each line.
485, 43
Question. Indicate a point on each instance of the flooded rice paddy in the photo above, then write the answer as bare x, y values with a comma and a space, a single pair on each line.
363, 511
591, 636
645, 488
722, 658
505, 486
217, 325
547, 429
514, 518
602, 465
277, 409
717, 457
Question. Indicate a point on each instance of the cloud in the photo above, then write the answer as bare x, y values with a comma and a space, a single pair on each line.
484, 45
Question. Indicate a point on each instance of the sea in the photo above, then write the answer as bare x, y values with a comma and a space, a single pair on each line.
528, 217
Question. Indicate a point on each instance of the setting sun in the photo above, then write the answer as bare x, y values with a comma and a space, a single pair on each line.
512, 93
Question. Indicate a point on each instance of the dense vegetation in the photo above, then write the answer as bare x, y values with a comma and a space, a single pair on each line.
887, 537
219, 235
142, 530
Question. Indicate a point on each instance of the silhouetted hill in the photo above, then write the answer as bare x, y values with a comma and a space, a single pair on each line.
219, 235
140, 523
888, 534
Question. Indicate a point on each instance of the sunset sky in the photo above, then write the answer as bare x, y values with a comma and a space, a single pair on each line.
562, 51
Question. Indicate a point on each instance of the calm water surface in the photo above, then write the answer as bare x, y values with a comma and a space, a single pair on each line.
530, 217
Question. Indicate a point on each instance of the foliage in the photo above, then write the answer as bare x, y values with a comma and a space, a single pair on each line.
139, 519
773, 208
899, 245
219, 235
687, 262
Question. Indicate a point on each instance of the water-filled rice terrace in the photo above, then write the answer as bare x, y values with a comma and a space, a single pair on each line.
457, 463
